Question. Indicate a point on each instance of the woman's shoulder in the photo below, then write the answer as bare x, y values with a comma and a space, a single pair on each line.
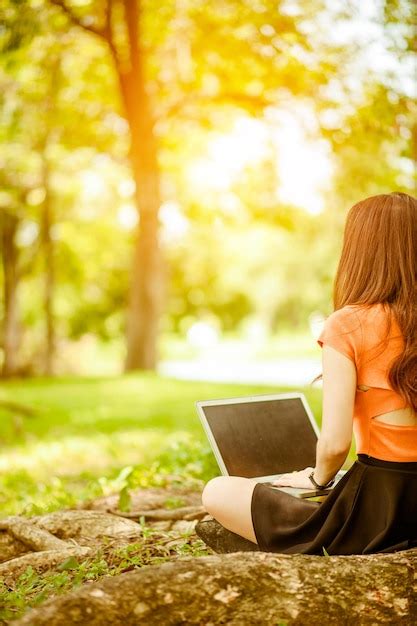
342, 331
359, 320
368, 323
347, 316
374, 317
365, 313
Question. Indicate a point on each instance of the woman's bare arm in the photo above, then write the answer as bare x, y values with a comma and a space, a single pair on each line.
339, 389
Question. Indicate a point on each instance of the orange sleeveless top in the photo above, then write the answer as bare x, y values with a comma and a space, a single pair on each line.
358, 332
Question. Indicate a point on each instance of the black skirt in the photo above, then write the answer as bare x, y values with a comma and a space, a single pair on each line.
373, 508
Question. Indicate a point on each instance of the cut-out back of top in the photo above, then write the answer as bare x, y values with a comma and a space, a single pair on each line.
357, 331
397, 417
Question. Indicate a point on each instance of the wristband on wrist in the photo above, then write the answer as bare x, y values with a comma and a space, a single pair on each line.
317, 486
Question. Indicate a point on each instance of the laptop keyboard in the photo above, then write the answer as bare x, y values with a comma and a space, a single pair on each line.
305, 492
338, 476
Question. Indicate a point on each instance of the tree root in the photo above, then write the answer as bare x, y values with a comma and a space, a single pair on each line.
44, 542
182, 513
34, 538
39, 561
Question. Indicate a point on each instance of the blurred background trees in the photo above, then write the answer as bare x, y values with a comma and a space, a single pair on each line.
167, 165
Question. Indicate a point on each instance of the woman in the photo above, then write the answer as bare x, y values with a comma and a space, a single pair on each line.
369, 363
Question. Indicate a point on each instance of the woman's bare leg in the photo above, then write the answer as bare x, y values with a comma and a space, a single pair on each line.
228, 499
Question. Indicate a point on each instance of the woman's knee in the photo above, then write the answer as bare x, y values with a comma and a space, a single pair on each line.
213, 493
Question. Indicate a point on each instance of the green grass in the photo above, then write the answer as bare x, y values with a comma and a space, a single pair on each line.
84, 431
90, 437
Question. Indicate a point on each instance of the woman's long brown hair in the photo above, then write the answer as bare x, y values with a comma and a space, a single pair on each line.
378, 264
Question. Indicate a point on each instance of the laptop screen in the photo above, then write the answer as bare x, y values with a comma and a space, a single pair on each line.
263, 438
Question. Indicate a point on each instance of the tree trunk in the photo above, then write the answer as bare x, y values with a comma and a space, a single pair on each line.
246, 588
47, 221
11, 330
146, 285
146, 281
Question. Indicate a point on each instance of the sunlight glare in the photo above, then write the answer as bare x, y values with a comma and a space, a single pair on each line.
126, 188
92, 184
227, 155
203, 335
303, 165
174, 223
127, 216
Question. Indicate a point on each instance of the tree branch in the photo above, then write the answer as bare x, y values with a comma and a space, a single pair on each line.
107, 19
14, 407
100, 32
131, 8
238, 99
107, 33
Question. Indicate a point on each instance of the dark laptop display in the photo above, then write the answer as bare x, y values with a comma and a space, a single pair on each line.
263, 438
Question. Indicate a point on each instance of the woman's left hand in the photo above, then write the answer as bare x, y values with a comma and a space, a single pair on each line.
295, 479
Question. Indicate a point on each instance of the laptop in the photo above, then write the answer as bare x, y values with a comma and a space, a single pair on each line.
262, 437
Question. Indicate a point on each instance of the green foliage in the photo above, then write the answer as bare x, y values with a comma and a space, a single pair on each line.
68, 564
124, 479
174, 503
244, 250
